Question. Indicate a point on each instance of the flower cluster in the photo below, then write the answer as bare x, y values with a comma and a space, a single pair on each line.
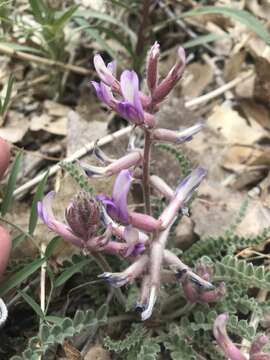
231, 350
138, 236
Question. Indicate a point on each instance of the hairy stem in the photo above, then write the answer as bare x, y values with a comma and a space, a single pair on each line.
146, 180
105, 267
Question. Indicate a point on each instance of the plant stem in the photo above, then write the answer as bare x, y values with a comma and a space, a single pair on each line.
146, 163
140, 46
105, 267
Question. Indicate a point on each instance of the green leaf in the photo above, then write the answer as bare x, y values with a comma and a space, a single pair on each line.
68, 273
30, 301
204, 39
94, 34
60, 22
108, 19
114, 35
54, 319
242, 16
18, 239
4, 105
51, 246
11, 184
37, 8
37, 197
17, 278
20, 47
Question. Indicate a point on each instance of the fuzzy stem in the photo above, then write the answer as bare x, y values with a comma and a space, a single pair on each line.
146, 163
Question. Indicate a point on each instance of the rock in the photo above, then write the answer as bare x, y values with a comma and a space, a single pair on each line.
97, 353
184, 234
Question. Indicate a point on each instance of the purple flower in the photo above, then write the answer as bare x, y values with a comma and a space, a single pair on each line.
45, 212
105, 73
177, 137
117, 206
128, 275
104, 94
114, 166
131, 107
182, 195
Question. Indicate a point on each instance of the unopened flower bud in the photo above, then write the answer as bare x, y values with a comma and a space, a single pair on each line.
223, 340
83, 215
167, 84
151, 67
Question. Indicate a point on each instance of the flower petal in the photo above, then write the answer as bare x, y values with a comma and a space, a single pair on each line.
120, 192
46, 214
147, 313
104, 72
129, 83
186, 187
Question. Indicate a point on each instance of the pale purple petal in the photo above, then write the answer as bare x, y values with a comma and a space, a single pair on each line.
138, 249
187, 186
46, 214
44, 208
120, 192
115, 279
103, 72
93, 171
111, 66
129, 83
132, 237
129, 112
104, 93
101, 156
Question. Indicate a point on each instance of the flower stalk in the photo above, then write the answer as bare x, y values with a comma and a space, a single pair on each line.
105, 223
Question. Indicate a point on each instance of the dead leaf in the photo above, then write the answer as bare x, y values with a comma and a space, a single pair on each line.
236, 157
233, 65
262, 82
258, 112
216, 208
97, 353
259, 8
258, 48
71, 352
246, 88
53, 125
16, 127
197, 77
55, 109
81, 132
235, 128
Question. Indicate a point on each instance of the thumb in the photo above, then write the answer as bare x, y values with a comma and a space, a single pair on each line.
4, 156
5, 248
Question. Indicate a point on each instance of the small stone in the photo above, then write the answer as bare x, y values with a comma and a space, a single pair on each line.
184, 235
97, 353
